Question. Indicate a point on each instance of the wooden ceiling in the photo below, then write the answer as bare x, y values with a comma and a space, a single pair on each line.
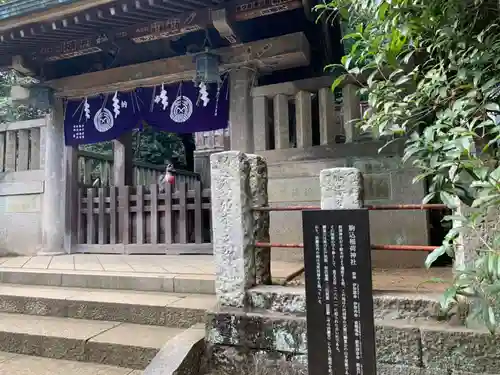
135, 21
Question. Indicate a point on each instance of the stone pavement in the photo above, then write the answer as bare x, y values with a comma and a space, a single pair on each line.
11, 364
130, 264
158, 273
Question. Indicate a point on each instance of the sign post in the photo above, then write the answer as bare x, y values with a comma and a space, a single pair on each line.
339, 297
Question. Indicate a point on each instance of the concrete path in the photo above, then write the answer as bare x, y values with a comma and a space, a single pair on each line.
11, 364
164, 264
159, 273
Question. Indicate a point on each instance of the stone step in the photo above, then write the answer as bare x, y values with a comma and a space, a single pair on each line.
11, 363
140, 281
386, 304
410, 346
150, 308
110, 343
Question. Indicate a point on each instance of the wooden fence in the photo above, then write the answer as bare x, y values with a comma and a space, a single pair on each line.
97, 170
21, 145
143, 219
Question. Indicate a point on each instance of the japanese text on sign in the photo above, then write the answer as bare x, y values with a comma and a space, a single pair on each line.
338, 292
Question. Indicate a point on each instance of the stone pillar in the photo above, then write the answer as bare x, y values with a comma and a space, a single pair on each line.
303, 119
261, 127
240, 109
470, 240
53, 207
352, 111
341, 188
281, 122
122, 160
329, 129
258, 190
232, 226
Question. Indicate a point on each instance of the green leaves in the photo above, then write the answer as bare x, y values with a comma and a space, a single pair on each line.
337, 82
432, 74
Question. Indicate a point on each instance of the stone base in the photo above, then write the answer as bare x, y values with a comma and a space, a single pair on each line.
44, 253
420, 346
227, 360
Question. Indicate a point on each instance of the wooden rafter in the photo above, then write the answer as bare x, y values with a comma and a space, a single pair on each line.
277, 53
137, 20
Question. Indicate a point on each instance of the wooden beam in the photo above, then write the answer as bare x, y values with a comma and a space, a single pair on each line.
223, 25
283, 52
51, 14
73, 48
173, 26
112, 17
292, 88
249, 9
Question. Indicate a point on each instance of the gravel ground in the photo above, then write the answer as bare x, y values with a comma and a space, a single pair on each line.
410, 279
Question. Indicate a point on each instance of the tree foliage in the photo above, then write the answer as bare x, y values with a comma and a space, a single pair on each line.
431, 71
151, 146
8, 111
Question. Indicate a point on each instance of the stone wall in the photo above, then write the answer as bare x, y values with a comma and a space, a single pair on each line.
21, 196
294, 180
22, 184
262, 343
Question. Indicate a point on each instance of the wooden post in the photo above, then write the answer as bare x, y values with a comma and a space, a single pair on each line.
2, 152
124, 214
35, 149
122, 164
182, 226
112, 215
23, 149
198, 214
168, 214
10, 151
101, 215
139, 217
90, 217
154, 213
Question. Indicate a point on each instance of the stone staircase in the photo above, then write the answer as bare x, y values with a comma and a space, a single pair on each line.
49, 326
95, 331
106, 313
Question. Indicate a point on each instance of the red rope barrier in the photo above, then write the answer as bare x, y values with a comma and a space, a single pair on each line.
374, 247
386, 207
282, 245
286, 208
404, 247
400, 207
383, 207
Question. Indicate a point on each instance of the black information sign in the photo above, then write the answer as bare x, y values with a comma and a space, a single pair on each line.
339, 297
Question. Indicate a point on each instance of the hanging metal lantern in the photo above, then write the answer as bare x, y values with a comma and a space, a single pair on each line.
207, 68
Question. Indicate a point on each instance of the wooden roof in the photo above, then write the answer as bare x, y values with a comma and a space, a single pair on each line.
69, 34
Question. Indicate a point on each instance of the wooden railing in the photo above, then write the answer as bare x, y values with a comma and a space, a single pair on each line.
292, 114
96, 170
21, 145
144, 219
